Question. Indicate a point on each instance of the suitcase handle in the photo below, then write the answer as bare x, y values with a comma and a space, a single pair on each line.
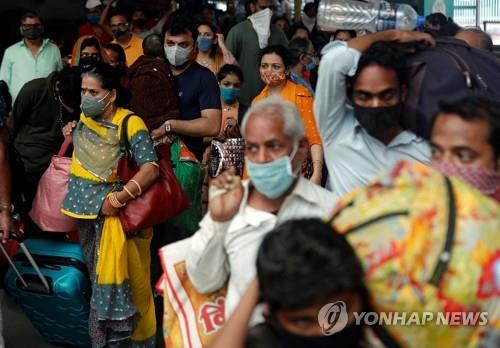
34, 284
17, 235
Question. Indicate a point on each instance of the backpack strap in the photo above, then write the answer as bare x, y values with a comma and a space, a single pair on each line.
445, 256
384, 336
444, 259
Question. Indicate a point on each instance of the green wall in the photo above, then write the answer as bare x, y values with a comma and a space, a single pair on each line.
429, 3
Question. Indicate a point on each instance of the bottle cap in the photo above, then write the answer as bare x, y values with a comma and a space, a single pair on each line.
420, 22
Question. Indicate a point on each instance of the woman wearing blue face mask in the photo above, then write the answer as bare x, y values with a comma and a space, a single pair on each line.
230, 78
212, 52
303, 60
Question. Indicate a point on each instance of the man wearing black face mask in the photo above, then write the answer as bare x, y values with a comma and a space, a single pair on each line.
139, 23
31, 58
41, 109
366, 138
121, 29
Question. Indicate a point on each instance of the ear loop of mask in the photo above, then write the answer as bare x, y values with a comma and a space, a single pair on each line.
291, 157
108, 103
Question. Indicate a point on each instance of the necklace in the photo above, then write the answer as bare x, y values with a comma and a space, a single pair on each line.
227, 107
206, 62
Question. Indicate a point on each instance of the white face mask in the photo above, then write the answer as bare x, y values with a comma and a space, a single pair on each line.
261, 22
177, 55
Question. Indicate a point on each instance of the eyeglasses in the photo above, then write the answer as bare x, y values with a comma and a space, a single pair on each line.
29, 26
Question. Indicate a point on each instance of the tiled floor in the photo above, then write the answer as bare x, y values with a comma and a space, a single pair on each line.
17, 329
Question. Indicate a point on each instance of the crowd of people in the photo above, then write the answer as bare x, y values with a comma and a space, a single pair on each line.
321, 115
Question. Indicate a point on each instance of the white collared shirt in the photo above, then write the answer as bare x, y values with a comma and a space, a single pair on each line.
352, 156
222, 250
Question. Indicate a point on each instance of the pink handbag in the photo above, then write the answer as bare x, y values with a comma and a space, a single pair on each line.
52, 188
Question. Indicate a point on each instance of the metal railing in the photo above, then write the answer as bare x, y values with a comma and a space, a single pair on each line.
475, 12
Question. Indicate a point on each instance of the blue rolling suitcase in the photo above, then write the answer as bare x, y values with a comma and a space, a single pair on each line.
50, 283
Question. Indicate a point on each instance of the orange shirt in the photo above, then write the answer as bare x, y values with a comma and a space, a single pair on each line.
133, 49
303, 101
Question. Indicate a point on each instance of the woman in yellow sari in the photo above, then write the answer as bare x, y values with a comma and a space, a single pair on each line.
122, 309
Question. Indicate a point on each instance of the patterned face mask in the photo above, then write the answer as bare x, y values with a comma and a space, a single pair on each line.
272, 78
486, 181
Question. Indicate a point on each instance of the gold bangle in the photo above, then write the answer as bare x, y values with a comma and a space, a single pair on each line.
115, 202
111, 201
138, 186
128, 191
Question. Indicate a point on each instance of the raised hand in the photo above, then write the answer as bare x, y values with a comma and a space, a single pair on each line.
225, 196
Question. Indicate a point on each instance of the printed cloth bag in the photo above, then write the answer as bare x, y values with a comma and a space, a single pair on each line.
191, 319
428, 243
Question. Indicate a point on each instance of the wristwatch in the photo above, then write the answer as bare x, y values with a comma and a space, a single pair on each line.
168, 127
7, 207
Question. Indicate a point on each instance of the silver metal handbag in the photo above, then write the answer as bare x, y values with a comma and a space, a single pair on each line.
226, 154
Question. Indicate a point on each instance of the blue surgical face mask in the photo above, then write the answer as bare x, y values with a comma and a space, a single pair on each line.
313, 64
93, 107
229, 94
204, 43
272, 179
93, 18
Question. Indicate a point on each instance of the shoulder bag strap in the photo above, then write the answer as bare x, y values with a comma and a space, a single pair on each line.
124, 143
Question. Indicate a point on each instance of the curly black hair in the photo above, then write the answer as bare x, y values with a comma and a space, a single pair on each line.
181, 24
386, 55
305, 262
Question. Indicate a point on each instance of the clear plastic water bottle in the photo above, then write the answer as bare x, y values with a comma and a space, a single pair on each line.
371, 16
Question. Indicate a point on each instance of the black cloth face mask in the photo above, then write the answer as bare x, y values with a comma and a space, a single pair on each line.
378, 120
33, 33
118, 33
88, 62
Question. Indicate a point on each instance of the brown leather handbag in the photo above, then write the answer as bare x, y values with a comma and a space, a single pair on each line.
163, 200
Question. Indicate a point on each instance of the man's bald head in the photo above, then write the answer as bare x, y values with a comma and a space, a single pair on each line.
153, 46
476, 38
